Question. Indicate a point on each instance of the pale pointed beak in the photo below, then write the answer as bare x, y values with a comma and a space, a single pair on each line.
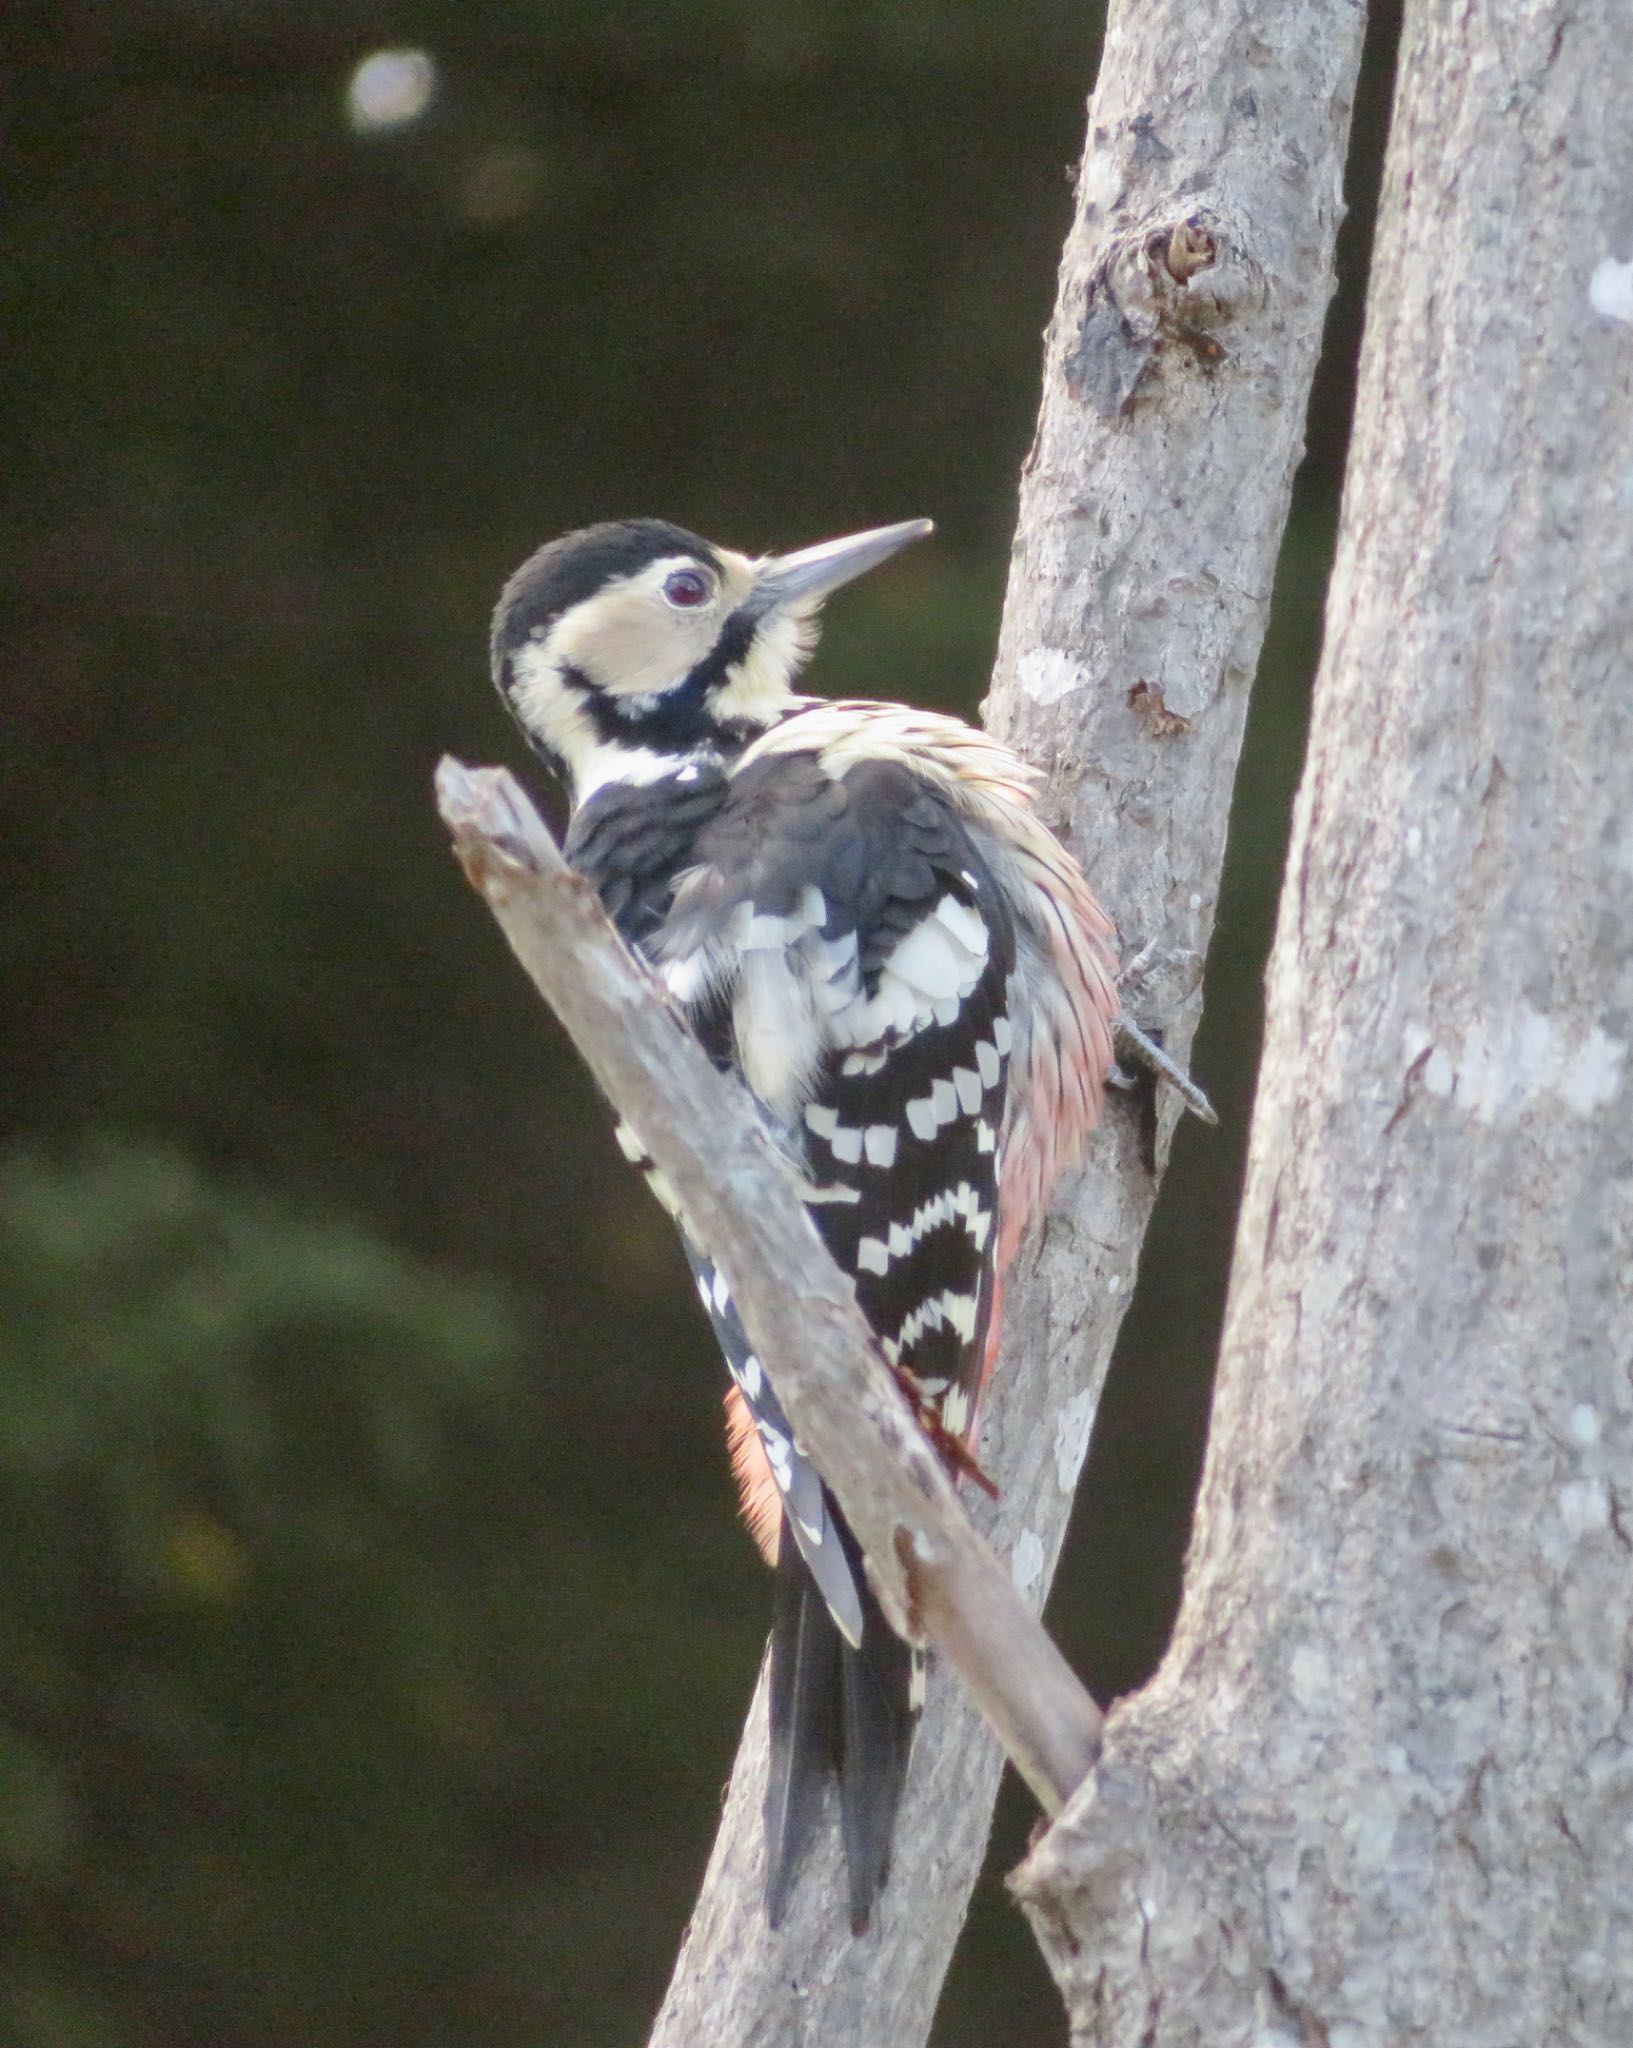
805, 578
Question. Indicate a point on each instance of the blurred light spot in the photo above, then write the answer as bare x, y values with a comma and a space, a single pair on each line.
204, 1559
502, 184
389, 89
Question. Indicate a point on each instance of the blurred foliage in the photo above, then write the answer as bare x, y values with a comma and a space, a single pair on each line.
375, 1625
306, 1649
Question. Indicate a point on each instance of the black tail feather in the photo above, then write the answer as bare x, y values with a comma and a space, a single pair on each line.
835, 1710
876, 1728
805, 1646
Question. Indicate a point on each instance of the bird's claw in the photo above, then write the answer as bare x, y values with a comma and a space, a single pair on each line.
1144, 1050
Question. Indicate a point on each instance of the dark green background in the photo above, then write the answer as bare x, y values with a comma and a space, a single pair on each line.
374, 1625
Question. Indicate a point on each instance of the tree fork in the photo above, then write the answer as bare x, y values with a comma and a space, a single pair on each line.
1381, 1790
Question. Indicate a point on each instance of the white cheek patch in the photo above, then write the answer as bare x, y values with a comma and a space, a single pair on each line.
551, 711
764, 677
628, 642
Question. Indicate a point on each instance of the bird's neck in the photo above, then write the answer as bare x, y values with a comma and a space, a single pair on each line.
682, 732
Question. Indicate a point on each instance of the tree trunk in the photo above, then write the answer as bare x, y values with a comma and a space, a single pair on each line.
1192, 291
1381, 1791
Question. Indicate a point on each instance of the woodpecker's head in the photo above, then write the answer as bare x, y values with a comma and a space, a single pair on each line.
625, 648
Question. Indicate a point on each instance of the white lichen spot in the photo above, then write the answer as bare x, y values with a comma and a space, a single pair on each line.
1585, 1424
1584, 1507
924, 1550
1114, 1284
1026, 1563
1072, 1438
1439, 1075
1414, 841
1484, 1077
1610, 290
1593, 1073
1370, 1826
1048, 673
1196, 900
1512, 1062
1311, 1675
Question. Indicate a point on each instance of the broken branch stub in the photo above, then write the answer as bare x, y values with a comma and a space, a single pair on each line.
1162, 283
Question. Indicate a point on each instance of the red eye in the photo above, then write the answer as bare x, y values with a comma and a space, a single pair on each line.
686, 587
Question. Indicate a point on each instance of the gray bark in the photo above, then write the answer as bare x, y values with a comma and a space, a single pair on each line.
1178, 364
1381, 1791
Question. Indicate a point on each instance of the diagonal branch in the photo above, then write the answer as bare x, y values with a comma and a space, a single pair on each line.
700, 1128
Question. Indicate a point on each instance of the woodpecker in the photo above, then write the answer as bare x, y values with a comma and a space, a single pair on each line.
861, 916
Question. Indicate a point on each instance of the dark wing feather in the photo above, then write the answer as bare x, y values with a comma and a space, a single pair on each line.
808, 1509
631, 839
845, 946
804, 1687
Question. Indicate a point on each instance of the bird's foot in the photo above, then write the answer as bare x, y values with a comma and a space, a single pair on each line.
1143, 1050
1165, 976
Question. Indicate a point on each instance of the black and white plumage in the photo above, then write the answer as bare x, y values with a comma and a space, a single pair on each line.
861, 916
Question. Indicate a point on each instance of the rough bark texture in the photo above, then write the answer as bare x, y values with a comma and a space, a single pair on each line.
1178, 365
1381, 1791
